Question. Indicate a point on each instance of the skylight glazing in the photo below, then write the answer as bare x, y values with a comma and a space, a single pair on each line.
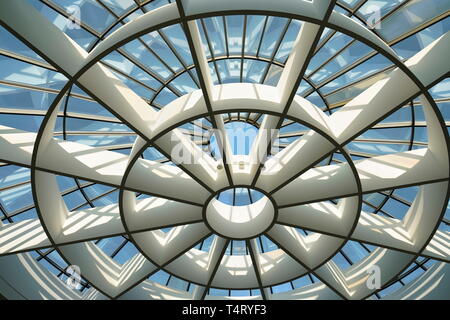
163, 66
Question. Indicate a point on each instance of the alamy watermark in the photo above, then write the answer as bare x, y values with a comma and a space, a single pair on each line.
374, 19
251, 141
74, 22
374, 280
74, 279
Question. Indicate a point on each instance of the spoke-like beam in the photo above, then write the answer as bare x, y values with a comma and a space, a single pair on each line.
338, 219
408, 168
96, 223
162, 248
293, 72
204, 74
16, 146
97, 81
158, 213
187, 154
360, 114
410, 235
22, 236
252, 246
103, 272
298, 60
216, 253
99, 165
165, 181
73, 159
309, 250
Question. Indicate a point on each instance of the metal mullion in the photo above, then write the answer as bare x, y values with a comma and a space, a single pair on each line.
385, 213
63, 12
210, 50
324, 41
358, 6
293, 134
245, 56
438, 100
332, 57
201, 245
408, 33
94, 133
120, 247
128, 76
376, 208
400, 199
142, 41
5, 214
319, 93
19, 57
107, 119
163, 82
118, 20
344, 71
44, 252
177, 55
364, 246
54, 264
384, 141
261, 244
107, 8
12, 186
347, 258
17, 211
65, 138
83, 282
262, 36
276, 48
83, 193
331, 33
244, 35
96, 198
224, 20
287, 123
75, 188
395, 9
201, 125
37, 88
258, 117
66, 103
156, 55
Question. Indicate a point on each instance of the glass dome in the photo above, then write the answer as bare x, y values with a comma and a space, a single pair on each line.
209, 149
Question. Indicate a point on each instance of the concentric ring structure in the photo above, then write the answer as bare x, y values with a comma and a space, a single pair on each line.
344, 208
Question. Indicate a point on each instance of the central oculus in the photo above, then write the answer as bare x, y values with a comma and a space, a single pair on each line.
233, 218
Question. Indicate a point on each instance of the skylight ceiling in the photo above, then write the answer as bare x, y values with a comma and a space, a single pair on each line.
97, 95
